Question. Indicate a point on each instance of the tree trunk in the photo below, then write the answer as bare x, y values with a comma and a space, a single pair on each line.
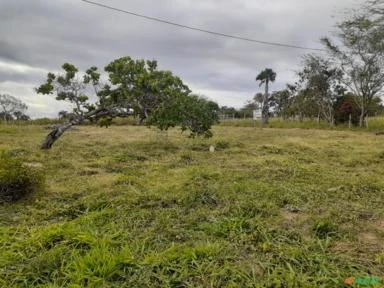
301, 116
350, 121
265, 114
55, 134
265, 108
92, 115
60, 129
362, 117
5, 115
332, 121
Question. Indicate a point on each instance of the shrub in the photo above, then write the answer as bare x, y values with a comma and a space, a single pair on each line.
345, 108
17, 180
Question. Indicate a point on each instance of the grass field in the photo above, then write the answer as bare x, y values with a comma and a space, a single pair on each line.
128, 207
374, 124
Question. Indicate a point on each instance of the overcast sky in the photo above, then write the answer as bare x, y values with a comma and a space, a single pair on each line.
37, 36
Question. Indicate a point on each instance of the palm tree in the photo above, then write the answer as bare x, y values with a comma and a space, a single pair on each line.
265, 76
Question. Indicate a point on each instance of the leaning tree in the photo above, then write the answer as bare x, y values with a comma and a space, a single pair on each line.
134, 87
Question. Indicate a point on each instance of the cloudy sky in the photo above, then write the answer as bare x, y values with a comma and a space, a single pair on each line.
37, 36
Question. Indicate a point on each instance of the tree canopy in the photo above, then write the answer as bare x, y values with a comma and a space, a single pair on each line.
12, 107
360, 56
322, 81
134, 87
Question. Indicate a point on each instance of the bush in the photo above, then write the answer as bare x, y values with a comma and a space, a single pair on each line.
17, 180
345, 108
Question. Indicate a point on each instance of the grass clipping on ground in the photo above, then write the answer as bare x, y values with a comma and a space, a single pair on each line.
129, 207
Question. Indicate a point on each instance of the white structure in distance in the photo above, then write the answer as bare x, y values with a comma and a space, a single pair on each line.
256, 114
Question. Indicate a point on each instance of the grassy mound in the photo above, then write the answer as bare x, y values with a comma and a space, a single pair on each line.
17, 180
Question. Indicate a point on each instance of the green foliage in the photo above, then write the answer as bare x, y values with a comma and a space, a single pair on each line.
281, 101
222, 145
360, 56
265, 76
199, 114
321, 81
315, 93
141, 86
68, 87
159, 98
17, 181
136, 87
231, 111
325, 228
105, 121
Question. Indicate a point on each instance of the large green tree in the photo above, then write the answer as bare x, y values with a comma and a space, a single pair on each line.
247, 110
360, 55
320, 79
265, 77
281, 103
136, 87
302, 103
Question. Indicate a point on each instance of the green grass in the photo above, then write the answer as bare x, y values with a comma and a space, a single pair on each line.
129, 207
374, 124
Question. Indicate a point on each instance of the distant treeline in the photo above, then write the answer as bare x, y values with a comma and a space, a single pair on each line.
288, 106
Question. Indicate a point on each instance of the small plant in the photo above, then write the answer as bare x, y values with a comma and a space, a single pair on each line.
186, 158
202, 197
17, 180
324, 229
221, 145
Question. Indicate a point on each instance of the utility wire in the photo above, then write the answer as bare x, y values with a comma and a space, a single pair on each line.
202, 30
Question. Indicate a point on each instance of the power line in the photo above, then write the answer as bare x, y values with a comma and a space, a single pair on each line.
202, 30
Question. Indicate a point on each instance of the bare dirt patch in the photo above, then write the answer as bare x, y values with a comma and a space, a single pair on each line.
290, 216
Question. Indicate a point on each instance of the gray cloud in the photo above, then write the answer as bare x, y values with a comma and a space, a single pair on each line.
42, 35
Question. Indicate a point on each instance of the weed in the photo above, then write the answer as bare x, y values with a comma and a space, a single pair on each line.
325, 228
221, 145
